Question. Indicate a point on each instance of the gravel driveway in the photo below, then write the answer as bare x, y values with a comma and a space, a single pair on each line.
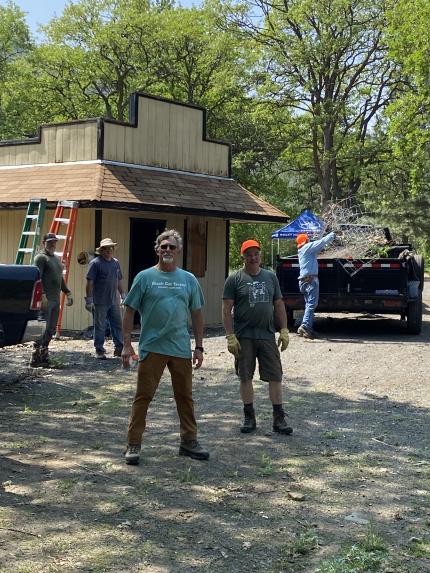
348, 492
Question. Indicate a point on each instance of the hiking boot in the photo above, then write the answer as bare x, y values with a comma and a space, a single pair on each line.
101, 354
117, 352
305, 332
280, 424
132, 454
44, 357
249, 422
193, 449
35, 360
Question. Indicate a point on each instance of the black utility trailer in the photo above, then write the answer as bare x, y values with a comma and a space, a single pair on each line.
391, 285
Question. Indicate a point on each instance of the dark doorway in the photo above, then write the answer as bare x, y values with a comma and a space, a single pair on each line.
143, 233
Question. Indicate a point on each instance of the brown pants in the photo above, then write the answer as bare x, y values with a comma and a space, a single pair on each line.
148, 378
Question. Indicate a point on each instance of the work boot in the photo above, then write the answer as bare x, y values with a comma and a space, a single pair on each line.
44, 356
101, 354
249, 422
280, 424
117, 352
132, 454
193, 449
35, 360
305, 332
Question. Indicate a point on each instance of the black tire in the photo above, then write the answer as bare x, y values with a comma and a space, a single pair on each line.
415, 315
13, 331
419, 261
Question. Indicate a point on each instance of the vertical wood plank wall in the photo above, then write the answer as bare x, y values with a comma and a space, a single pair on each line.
168, 135
62, 143
116, 225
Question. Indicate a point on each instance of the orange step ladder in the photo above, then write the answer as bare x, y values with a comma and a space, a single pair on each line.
65, 216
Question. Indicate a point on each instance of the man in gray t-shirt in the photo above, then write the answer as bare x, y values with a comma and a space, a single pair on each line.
104, 282
254, 297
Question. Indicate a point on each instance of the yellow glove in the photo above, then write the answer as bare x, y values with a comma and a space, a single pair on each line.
233, 345
283, 339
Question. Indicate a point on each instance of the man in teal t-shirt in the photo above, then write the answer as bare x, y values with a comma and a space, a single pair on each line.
165, 296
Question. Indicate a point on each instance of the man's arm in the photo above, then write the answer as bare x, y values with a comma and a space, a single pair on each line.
89, 288
318, 245
64, 287
280, 314
197, 322
121, 288
127, 328
227, 306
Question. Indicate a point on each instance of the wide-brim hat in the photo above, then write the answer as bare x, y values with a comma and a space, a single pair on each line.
106, 243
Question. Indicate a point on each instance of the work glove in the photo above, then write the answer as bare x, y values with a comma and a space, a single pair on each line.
69, 299
89, 304
283, 339
233, 345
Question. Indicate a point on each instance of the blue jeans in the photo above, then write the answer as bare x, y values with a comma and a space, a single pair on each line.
311, 292
112, 313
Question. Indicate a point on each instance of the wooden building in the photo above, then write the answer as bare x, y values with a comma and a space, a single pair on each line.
132, 180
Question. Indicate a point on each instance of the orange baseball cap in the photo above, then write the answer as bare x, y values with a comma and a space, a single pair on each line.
248, 244
302, 239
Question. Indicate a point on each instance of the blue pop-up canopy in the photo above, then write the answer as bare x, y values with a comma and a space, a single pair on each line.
306, 222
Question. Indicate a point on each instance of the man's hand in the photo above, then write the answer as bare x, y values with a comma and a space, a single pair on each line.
197, 358
69, 299
122, 297
283, 339
89, 304
126, 354
233, 345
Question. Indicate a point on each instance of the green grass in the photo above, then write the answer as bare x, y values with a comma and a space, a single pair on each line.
419, 549
331, 435
188, 476
365, 556
266, 468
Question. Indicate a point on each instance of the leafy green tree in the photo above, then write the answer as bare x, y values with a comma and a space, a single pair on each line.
15, 44
326, 61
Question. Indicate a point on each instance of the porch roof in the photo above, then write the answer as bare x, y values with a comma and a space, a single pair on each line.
113, 185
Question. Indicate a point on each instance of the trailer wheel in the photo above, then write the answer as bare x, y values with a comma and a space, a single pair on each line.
420, 268
415, 315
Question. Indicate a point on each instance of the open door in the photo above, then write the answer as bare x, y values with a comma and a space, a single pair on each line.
143, 233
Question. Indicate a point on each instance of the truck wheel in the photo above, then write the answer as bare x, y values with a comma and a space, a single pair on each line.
415, 315
420, 268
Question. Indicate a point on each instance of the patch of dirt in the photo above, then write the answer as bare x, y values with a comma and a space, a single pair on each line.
358, 399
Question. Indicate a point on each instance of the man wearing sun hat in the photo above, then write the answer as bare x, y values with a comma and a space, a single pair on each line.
308, 278
104, 282
51, 274
254, 296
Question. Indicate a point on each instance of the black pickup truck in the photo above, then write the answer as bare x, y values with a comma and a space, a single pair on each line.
20, 303
389, 285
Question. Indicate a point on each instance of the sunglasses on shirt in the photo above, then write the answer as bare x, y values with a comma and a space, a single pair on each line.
165, 247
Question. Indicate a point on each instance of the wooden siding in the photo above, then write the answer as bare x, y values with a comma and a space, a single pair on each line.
116, 224
59, 144
168, 135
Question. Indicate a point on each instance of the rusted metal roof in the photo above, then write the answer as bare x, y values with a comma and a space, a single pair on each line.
112, 185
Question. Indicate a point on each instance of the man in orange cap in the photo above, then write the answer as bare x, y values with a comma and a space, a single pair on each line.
256, 298
308, 278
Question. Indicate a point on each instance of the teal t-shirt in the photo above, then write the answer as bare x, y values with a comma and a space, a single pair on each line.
253, 296
164, 301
